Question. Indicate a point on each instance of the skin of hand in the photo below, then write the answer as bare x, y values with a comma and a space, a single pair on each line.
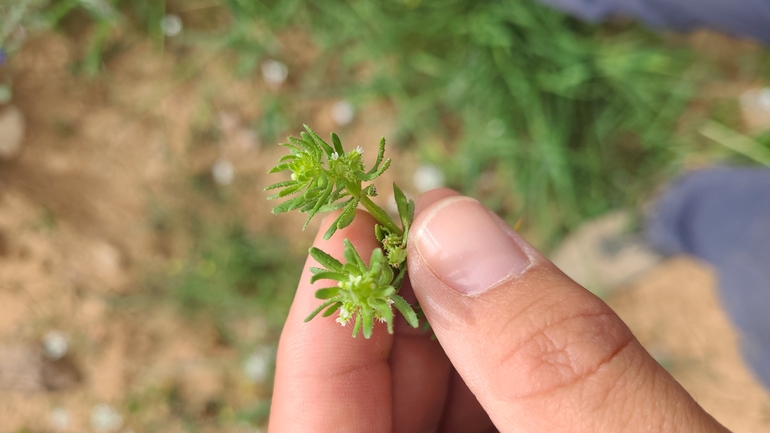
519, 346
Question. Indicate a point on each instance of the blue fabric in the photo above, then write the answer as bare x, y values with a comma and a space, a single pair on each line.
722, 215
749, 18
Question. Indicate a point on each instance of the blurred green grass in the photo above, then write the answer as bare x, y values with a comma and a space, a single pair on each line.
539, 115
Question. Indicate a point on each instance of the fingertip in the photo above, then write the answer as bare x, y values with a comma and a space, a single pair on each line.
433, 196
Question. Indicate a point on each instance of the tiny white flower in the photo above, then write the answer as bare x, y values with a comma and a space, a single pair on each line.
171, 25
342, 113
360, 150
335, 156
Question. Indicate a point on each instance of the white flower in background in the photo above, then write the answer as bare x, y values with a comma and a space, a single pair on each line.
55, 345
763, 99
105, 418
495, 128
259, 364
428, 177
171, 25
223, 172
274, 73
342, 112
60, 419
756, 99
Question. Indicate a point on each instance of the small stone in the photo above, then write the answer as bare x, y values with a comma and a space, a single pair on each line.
11, 132
428, 177
259, 364
60, 419
274, 73
105, 418
55, 345
223, 172
342, 113
171, 25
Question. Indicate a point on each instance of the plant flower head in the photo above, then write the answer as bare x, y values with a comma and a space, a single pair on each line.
362, 294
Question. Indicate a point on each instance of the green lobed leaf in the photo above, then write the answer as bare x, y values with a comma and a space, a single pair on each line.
325, 259
380, 155
406, 310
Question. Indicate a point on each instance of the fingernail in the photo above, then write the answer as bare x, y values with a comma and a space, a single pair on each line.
466, 248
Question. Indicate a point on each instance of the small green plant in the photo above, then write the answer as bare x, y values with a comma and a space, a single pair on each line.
324, 178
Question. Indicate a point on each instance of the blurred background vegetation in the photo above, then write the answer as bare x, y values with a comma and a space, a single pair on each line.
539, 115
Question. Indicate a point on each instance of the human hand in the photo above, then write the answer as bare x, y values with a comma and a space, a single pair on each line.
520, 347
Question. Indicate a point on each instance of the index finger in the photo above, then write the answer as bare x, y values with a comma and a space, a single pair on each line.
326, 380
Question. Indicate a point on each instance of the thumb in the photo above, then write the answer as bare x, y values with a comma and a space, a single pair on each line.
540, 353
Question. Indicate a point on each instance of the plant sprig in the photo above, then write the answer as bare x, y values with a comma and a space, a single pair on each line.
324, 178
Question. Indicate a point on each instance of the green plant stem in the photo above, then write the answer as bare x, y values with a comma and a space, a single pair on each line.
380, 215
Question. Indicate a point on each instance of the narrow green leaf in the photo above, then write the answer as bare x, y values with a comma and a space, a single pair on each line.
291, 147
289, 205
332, 206
328, 275
384, 293
351, 255
329, 311
402, 203
279, 168
325, 259
348, 215
320, 142
289, 190
321, 201
375, 173
380, 155
386, 312
337, 144
400, 277
406, 310
287, 158
308, 145
315, 270
357, 325
318, 310
368, 323
378, 233
280, 184
327, 293
331, 230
